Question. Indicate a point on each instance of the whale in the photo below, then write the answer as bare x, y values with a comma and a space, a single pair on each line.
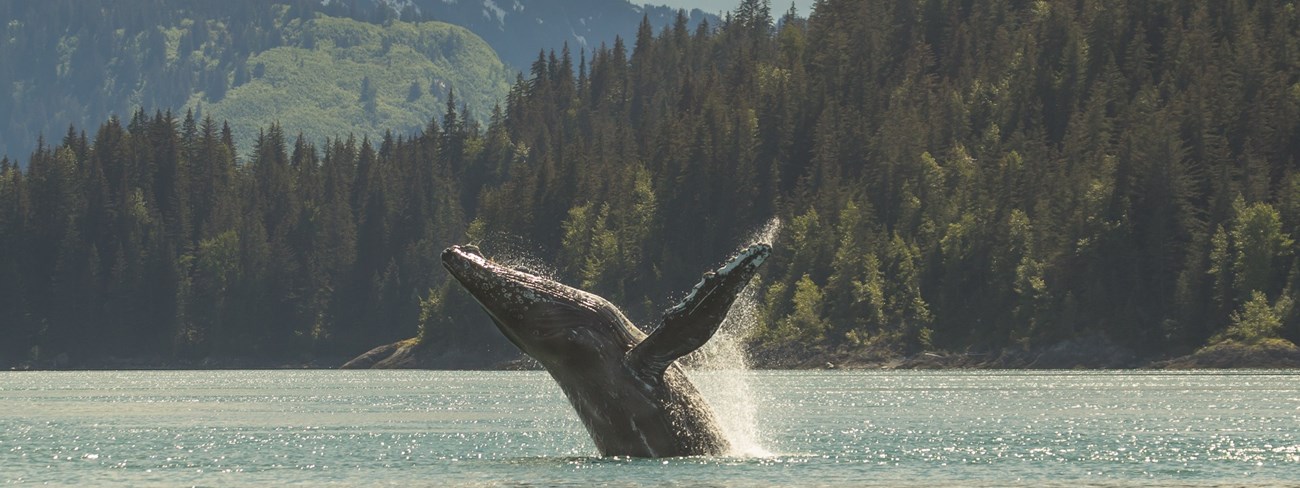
626, 386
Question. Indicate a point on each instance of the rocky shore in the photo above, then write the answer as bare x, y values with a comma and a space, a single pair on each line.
1267, 354
1087, 353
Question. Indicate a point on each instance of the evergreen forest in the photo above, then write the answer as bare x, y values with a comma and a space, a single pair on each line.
964, 176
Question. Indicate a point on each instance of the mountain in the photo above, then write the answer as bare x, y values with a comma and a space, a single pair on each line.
519, 29
338, 76
324, 69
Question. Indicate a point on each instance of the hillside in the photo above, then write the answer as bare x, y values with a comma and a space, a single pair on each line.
518, 30
1012, 184
339, 77
248, 62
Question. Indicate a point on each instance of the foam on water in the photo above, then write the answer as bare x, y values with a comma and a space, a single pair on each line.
723, 361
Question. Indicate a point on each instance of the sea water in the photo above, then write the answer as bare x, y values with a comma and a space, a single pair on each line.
812, 428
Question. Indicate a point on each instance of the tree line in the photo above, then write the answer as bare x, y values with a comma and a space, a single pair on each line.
951, 175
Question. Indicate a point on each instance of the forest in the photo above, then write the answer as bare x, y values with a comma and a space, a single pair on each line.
950, 175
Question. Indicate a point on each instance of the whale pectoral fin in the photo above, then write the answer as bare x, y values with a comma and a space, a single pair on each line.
692, 322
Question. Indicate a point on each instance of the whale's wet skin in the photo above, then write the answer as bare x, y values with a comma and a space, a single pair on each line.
624, 385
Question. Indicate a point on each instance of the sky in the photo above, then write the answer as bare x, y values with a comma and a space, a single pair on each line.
779, 7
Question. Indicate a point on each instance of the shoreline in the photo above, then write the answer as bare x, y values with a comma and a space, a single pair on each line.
1235, 359
1085, 354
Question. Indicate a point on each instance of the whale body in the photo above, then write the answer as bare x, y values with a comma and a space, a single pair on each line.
625, 386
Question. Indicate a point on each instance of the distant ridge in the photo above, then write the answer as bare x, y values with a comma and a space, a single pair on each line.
519, 29
337, 77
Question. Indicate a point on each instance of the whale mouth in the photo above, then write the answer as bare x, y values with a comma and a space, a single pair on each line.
528, 308
512, 297
504, 293
495, 285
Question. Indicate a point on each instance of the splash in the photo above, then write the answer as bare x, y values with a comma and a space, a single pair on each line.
721, 365
514, 251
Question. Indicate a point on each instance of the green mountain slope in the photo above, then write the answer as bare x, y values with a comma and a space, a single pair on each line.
77, 62
336, 77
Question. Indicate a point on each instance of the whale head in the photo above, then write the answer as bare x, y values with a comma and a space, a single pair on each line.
551, 322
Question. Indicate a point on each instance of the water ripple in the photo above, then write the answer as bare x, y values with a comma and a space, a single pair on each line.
420, 428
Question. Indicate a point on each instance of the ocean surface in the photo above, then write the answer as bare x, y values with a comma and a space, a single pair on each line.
791, 428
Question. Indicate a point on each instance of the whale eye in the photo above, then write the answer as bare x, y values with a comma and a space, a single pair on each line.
548, 332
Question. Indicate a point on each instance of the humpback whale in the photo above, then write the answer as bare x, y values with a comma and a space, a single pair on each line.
625, 386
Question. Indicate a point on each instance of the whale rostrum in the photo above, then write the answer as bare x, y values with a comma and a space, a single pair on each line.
625, 386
